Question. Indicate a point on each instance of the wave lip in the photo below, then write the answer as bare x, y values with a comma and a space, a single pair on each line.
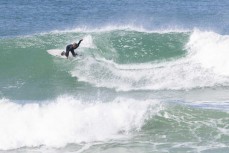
67, 120
126, 27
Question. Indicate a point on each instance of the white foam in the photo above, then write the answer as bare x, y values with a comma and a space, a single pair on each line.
68, 120
211, 50
181, 74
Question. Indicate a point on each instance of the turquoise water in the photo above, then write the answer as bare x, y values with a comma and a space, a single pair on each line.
153, 77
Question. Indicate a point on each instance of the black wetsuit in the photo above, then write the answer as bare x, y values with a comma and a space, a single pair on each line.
71, 49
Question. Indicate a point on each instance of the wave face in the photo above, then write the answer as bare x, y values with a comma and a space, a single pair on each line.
180, 61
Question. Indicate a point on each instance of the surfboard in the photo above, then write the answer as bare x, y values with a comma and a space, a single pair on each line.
57, 53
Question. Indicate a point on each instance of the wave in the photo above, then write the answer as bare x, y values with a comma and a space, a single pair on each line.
204, 64
125, 58
69, 120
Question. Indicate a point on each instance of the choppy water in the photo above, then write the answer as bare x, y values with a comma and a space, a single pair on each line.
153, 76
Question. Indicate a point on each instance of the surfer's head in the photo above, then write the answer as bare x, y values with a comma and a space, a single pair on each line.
74, 45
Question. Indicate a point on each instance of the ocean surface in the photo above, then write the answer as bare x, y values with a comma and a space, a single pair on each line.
153, 76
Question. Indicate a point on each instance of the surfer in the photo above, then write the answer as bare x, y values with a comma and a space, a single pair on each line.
71, 48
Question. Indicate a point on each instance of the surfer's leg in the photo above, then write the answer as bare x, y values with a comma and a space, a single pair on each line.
67, 53
67, 50
73, 53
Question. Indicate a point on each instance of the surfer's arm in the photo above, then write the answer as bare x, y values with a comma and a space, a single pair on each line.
79, 43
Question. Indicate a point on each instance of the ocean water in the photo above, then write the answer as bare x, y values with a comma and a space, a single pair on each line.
153, 76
